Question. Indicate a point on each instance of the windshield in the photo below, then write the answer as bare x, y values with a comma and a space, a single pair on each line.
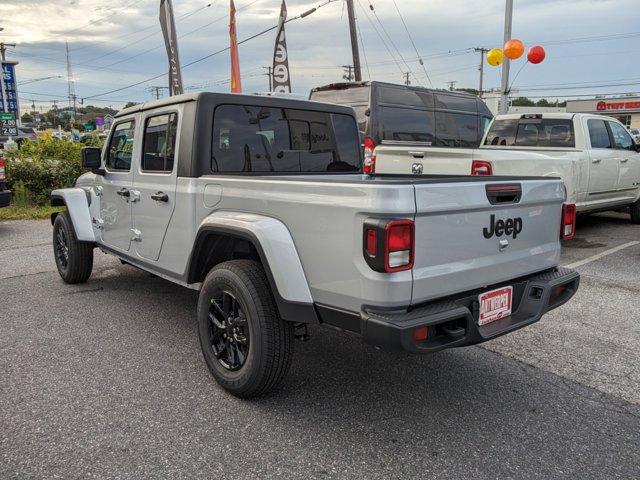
531, 132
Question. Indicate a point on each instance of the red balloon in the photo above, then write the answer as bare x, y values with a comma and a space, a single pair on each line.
536, 54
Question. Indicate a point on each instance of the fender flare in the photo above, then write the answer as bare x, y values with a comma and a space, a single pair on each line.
278, 255
77, 202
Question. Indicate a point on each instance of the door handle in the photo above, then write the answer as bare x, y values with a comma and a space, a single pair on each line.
596, 160
417, 154
624, 160
123, 192
160, 197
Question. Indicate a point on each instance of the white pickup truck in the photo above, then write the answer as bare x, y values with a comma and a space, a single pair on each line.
594, 155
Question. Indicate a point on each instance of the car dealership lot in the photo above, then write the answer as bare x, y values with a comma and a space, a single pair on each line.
106, 379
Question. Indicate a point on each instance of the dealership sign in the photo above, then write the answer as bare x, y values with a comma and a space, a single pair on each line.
617, 105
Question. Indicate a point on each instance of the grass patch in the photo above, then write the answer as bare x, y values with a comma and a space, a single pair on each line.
15, 212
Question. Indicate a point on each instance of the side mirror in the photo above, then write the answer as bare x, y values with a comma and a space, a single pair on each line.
91, 159
636, 147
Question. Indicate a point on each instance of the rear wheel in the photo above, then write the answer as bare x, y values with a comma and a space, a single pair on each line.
247, 346
634, 210
74, 258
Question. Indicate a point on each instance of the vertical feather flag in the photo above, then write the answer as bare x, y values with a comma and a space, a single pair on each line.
236, 85
281, 78
171, 42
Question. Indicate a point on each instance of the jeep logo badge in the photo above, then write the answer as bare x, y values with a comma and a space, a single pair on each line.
510, 227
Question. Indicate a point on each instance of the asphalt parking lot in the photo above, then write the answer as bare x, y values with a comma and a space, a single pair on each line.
106, 380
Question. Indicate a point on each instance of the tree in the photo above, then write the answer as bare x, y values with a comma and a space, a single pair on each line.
26, 118
543, 102
130, 104
522, 102
472, 91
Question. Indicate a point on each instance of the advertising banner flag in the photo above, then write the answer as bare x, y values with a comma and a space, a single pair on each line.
281, 78
171, 42
236, 84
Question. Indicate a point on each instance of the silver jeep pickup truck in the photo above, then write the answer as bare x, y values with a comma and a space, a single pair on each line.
259, 203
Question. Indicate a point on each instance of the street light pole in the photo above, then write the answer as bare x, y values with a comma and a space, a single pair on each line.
504, 97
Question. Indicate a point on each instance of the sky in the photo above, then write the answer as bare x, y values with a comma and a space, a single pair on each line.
592, 45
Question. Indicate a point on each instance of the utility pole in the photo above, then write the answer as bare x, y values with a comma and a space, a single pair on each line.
481, 67
3, 49
70, 86
156, 90
452, 84
270, 75
504, 97
406, 78
354, 40
348, 72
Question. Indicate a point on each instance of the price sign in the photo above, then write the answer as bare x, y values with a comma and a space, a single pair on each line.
8, 125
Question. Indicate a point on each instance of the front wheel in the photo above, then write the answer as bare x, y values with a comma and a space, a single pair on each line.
74, 258
247, 346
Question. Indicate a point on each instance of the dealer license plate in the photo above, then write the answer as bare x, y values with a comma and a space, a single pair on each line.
495, 305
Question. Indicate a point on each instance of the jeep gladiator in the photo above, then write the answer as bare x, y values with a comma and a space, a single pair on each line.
259, 203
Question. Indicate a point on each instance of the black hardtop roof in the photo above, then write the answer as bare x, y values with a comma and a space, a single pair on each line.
212, 98
347, 85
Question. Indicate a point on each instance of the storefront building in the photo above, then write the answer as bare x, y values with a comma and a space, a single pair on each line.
625, 109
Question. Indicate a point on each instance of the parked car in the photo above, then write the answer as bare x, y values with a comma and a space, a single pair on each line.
5, 194
594, 155
260, 204
395, 119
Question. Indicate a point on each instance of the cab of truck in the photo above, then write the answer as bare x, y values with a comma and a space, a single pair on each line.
400, 123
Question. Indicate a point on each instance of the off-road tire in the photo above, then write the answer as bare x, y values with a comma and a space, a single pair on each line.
270, 338
79, 259
634, 210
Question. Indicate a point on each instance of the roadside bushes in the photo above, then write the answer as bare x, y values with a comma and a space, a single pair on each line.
43, 165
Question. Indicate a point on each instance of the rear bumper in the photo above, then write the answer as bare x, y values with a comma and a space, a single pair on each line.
453, 322
5, 198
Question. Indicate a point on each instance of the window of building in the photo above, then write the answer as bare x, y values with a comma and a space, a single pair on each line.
598, 134
120, 148
158, 147
262, 139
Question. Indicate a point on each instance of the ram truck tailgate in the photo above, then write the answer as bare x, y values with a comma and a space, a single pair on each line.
475, 234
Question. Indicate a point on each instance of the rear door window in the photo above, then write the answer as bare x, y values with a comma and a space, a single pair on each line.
598, 134
406, 125
257, 139
158, 146
532, 132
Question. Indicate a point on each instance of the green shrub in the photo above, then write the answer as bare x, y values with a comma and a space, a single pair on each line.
43, 165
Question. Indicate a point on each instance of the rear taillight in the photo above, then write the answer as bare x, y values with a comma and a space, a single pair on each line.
480, 167
1, 168
369, 166
389, 245
568, 227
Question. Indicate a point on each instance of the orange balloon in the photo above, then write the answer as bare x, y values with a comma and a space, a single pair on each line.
513, 49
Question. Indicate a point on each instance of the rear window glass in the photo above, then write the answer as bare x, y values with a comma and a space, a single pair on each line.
532, 132
405, 96
263, 139
598, 134
456, 130
343, 96
406, 125
456, 102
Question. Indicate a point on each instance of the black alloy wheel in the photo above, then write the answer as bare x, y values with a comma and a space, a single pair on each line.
228, 331
62, 248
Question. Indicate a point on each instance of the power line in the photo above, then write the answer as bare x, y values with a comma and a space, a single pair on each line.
424, 68
364, 52
375, 14
366, 14
300, 16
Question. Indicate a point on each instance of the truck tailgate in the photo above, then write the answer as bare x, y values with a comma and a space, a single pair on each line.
464, 242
